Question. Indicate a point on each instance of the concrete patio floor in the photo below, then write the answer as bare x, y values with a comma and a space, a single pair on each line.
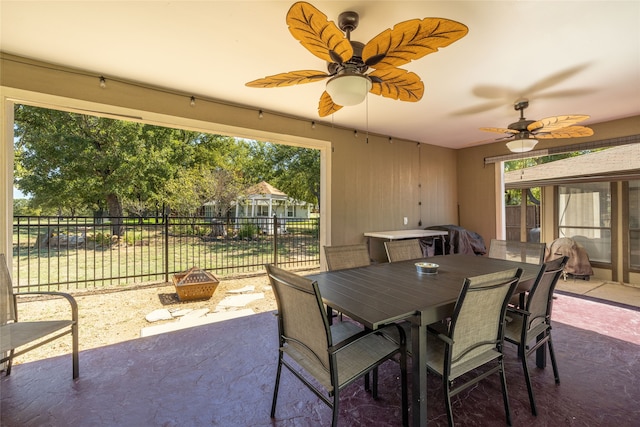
222, 374
615, 292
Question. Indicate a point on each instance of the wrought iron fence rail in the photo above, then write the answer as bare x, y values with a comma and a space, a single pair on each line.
54, 253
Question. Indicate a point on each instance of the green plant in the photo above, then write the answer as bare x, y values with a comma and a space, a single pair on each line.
248, 231
101, 239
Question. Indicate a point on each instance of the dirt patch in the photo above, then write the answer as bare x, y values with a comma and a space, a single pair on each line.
112, 316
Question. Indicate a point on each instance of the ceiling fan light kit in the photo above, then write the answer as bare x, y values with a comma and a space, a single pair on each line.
349, 88
522, 143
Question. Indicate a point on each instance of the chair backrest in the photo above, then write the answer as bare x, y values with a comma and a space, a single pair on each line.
531, 253
302, 323
403, 250
539, 300
7, 305
478, 318
347, 256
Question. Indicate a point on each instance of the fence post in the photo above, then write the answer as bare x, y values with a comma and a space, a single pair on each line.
166, 247
275, 240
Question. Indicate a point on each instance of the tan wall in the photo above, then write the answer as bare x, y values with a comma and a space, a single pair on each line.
376, 185
366, 186
477, 192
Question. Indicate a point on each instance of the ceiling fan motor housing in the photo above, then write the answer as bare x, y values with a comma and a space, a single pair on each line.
355, 64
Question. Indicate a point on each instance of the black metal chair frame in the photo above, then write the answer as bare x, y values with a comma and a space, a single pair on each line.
536, 325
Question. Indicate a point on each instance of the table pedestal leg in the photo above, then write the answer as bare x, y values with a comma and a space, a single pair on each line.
419, 372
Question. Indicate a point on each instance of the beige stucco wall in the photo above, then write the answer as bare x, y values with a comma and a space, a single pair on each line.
366, 186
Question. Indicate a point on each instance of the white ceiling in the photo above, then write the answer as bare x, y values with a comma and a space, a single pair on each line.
567, 57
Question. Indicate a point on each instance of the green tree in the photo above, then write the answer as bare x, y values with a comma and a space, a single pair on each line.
72, 161
294, 170
192, 188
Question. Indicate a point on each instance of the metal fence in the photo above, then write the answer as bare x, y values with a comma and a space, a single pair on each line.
53, 253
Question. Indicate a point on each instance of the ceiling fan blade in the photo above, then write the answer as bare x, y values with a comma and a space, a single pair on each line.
396, 83
568, 132
326, 105
289, 79
495, 93
551, 124
479, 108
317, 34
411, 40
499, 130
554, 79
565, 93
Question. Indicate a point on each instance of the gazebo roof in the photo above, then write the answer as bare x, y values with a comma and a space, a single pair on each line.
264, 191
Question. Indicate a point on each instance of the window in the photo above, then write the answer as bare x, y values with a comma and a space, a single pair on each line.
584, 214
634, 224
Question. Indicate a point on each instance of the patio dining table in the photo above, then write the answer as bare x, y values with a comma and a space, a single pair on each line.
383, 293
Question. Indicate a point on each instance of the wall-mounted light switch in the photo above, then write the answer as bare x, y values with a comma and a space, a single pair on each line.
406, 220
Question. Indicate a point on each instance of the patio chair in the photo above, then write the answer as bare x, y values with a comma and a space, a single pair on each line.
531, 253
325, 358
474, 337
347, 256
344, 257
14, 334
534, 321
403, 250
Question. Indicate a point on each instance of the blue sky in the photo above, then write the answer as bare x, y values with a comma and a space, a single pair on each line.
17, 194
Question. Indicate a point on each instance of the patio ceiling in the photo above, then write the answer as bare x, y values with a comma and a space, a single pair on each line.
567, 57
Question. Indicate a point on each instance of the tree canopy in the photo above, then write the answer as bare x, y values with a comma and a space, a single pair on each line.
68, 162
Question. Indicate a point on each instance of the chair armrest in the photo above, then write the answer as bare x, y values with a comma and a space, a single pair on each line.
353, 338
517, 310
346, 342
441, 335
68, 297
445, 338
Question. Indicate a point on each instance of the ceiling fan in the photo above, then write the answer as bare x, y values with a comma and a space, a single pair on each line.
524, 134
348, 61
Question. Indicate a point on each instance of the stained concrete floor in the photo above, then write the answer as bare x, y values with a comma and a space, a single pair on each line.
615, 292
222, 374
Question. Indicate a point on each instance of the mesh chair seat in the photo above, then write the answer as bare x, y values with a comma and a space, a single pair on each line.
353, 361
435, 358
14, 335
513, 329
